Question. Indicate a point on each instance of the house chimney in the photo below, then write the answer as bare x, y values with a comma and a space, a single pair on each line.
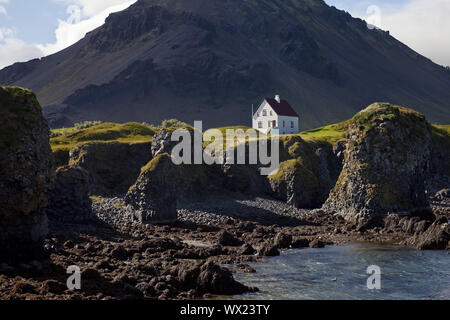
277, 97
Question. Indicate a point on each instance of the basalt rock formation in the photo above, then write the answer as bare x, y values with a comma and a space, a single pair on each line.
69, 201
25, 169
386, 164
306, 178
154, 195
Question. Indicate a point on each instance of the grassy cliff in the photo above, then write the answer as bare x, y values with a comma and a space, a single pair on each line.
128, 133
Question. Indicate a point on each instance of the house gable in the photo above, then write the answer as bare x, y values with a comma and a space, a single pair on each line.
264, 106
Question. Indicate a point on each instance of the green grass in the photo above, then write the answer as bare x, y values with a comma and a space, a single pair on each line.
331, 134
378, 112
130, 133
63, 130
107, 132
223, 130
444, 130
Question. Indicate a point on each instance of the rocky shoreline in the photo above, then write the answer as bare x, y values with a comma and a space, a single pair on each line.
174, 227
121, 258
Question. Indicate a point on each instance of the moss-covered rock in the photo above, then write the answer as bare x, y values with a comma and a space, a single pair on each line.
154, 193
386, 163
127, 133
25, 168
307, 174
113, 166
296, 184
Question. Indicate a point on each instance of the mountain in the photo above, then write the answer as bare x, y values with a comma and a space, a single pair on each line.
211, 60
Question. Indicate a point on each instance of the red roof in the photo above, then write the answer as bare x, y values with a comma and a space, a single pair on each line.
283, 108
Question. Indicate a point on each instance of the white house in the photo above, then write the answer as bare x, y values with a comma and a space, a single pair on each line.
276, 114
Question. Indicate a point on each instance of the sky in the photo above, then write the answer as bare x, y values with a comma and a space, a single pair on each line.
36, 28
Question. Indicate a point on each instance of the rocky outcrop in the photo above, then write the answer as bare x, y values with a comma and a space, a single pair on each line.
154, 193
435, 237
162, 143
218, 280
306, 175
296, 184
224, 238
25, 169
113, 166
386, 164
69, 201
439, 177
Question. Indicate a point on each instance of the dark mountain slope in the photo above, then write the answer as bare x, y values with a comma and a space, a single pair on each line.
211, 60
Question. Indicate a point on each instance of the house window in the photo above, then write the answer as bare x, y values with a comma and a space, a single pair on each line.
284, 124
259, 125
269, 123
264, 113
271, 113
292, 125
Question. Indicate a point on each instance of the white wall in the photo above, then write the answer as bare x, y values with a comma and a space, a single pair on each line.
274, 117
287, 121
265, 120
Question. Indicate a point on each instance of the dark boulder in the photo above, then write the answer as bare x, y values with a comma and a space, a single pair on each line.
436, 237
317, 244
214, 279
247, 250
227, 239
268, 250
300, 243
283, 241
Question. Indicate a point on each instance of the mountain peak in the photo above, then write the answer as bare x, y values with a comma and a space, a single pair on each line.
211, 60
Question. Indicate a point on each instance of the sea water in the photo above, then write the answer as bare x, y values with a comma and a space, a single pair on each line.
340, 272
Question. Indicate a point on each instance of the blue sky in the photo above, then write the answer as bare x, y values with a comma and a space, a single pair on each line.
35, 28
36, 24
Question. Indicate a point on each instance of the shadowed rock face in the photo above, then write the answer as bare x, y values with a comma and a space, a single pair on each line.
25, 168
69, 201
386, 164
211, 60
154, 193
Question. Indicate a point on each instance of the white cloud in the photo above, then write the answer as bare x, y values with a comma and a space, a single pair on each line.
14, 50
92, 8
424, 25
69, 33
2, 8
91, 15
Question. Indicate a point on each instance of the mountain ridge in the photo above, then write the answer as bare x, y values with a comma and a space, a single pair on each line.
211, 60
